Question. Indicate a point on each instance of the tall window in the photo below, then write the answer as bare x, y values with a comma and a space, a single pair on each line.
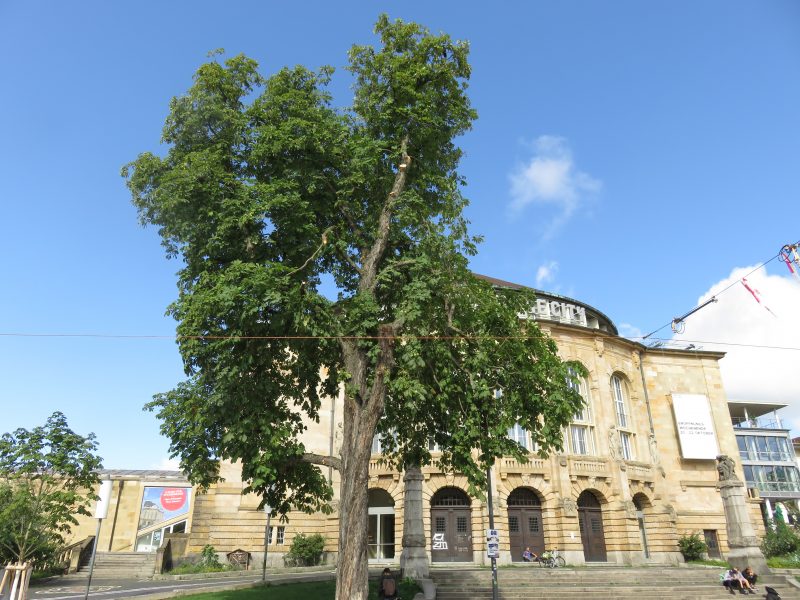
624, 422
581, 430
520, 435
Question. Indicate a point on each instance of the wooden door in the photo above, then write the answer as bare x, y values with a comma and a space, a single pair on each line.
590, 521
451, 527
525, 527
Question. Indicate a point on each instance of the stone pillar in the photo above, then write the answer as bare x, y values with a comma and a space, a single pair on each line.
414, 558
742, 540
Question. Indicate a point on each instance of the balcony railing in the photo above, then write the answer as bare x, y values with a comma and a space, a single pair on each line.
742, 423
774, 486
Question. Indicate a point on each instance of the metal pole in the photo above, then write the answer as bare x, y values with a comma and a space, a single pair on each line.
268, 510
491, 526
94, 553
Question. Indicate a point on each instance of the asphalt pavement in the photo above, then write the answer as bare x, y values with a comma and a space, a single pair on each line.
71, 588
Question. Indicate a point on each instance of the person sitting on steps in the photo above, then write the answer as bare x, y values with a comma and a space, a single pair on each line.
733, 580
750, 576
529, 556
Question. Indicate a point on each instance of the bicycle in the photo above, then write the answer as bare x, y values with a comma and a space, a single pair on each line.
551, 559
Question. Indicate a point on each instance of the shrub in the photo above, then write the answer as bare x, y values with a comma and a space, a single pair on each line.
692, 546
307, 549
780, 540
208, 557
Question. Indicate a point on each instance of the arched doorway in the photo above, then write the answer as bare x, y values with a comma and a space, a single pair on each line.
590, 521
380, 531
524, 523
640, 502
451, 526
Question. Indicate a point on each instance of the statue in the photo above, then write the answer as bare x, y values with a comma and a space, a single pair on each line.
725, 468
614, 446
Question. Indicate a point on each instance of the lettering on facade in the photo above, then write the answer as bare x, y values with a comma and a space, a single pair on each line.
439, 543
695, 426
556, 310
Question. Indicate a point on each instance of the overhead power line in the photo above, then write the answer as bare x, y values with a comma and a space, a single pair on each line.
351, 337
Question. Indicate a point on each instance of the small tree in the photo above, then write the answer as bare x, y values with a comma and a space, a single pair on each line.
780, 539
46, 478
692, 546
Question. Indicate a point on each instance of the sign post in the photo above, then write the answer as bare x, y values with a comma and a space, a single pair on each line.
100, 513
492, 554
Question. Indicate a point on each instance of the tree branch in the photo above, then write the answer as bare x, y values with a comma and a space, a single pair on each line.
325, 461
370, 266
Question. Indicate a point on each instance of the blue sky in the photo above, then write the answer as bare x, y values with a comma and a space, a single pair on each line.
631, 155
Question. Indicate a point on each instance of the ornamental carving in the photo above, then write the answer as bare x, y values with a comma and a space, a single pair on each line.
726, 468
569, 507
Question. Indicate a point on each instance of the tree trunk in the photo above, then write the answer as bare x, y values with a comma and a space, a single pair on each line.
352, 575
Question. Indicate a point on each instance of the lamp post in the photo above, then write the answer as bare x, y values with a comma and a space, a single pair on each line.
100, 513
268, 510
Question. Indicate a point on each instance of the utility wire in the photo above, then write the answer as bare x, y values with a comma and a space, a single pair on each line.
722, 291
354, 337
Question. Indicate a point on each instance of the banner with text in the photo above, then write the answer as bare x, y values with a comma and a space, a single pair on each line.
695, 426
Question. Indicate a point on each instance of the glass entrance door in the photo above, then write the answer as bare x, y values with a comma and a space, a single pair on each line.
380, 535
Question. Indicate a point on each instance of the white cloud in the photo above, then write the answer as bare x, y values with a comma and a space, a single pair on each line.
630, 331
546, 273
754, 374
167, 464
551, 177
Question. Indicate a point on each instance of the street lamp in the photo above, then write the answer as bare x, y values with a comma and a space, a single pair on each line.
100, 513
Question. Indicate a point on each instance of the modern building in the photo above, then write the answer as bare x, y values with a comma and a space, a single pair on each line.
637, 471
767, 455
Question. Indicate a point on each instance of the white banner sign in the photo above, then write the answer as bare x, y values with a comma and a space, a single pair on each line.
695, 426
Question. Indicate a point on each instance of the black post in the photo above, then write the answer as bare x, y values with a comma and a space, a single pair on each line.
491, 526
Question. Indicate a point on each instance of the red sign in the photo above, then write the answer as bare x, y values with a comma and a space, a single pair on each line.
173, 498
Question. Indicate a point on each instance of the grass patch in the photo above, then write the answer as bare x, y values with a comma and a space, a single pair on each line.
709, 562
319, 590
787, 561
44, 574
190, 569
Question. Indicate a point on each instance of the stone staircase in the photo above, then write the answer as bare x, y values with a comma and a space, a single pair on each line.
123, 565
643, 583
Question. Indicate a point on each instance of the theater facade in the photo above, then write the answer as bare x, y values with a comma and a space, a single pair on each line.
637, 472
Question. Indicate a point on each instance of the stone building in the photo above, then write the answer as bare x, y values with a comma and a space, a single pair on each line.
637, 470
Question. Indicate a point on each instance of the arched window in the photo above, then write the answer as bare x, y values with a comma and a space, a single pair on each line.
619, 393
581, 430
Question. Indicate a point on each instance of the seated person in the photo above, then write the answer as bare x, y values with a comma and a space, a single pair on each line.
529, 556
733, 580
750, 576
387, 587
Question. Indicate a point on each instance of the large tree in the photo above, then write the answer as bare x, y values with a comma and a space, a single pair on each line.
270, 196
47, 476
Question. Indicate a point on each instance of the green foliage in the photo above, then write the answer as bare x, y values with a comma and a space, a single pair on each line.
692, 546
787, 561
46, 478
780, 539
307, 550
208, 557
265, 191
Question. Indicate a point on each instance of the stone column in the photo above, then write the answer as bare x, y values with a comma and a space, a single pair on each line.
414, 558
742, 540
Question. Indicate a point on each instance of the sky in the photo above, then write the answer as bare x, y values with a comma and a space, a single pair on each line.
637, 156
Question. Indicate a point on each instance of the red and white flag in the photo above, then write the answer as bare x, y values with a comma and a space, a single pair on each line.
757, 295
